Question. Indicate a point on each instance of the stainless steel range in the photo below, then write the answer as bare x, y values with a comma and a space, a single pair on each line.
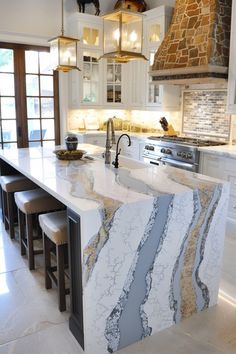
181, 152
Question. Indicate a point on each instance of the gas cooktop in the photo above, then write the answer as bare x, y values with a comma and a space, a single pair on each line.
186, 140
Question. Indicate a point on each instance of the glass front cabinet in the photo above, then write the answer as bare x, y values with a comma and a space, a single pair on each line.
99, 82
156, 23
114, 85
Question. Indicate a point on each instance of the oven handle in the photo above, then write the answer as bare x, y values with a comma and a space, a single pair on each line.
179, 163
155, 163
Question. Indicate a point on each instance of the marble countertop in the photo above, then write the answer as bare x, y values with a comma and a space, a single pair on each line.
221, 150
85, 185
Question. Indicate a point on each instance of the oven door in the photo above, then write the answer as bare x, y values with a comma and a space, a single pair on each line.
180, 164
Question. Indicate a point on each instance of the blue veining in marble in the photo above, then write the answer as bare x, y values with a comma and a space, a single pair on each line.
127, 322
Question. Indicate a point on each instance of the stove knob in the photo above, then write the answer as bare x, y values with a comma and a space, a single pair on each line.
189, 155
179, 153
163, 151
183, 155
168, 152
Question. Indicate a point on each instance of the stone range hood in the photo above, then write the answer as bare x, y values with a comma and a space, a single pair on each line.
196, 47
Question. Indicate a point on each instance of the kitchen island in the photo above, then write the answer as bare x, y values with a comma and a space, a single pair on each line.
146, 243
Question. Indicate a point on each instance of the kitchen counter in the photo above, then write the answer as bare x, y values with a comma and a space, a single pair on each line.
145, 242
221, 150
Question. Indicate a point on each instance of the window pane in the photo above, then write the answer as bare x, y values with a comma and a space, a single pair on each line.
47, 107
33, 107
44, 63
7, 86
31, 62
9, 130
48, 128
6, 60
46, 85
35, 144
9, 146
8, 108
32, 85
34, 129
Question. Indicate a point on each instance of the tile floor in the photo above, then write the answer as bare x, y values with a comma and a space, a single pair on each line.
30, 322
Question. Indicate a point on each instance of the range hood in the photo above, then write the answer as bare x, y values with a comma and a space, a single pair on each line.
196, 46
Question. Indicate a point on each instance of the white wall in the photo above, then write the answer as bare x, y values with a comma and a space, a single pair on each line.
29, 21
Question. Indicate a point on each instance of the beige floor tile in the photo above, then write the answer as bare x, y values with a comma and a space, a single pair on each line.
55, 339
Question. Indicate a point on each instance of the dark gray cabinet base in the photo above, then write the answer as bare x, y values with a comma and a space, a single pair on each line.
76, 297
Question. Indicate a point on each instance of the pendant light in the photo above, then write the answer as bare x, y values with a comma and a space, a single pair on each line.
63, 50
123, 35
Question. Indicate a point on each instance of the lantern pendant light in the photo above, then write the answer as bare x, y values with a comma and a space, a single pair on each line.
63, 50
123, 35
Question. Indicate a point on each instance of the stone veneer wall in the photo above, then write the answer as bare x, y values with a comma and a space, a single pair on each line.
204, 114
198, 35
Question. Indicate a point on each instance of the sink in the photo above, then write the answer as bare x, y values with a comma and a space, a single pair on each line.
131, 163
124, 161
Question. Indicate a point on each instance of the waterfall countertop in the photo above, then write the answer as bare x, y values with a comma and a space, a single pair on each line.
151, 241
81, 184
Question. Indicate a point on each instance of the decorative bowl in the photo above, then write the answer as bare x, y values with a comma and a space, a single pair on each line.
64, 154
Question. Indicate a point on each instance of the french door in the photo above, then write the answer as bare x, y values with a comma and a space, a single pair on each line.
29, 103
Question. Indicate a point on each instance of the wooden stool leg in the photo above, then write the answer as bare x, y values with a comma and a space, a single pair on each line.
4, 206
30, 243
1, 194
21, 223
47, 260
61, 277
10, 212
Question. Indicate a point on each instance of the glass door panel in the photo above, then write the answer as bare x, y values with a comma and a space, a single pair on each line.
90, 78
7, 99
40, 98
113, 79
29, 113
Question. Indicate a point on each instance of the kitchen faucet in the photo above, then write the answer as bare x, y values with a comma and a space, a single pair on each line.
110, 140
116, 162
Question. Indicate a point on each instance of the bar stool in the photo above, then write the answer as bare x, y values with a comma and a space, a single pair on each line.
54, 229
30, 204
10, 185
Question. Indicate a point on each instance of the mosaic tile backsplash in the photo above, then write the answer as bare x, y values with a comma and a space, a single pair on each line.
204, 114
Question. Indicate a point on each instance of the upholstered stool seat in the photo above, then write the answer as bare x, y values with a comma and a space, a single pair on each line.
29, 204
10, 185
54, 228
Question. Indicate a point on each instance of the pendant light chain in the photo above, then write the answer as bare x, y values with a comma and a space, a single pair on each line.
62, 18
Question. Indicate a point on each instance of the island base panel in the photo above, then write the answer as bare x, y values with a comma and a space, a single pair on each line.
76, 293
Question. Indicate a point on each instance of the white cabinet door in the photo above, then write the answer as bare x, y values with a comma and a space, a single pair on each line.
95, 140
158, 97
85, 87
212, 165
222, 168
231, 102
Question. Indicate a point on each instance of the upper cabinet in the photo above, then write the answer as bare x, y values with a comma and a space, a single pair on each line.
85, 86
232, 66
156, 24
103, 83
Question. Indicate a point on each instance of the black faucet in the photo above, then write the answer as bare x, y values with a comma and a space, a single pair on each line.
116, 162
